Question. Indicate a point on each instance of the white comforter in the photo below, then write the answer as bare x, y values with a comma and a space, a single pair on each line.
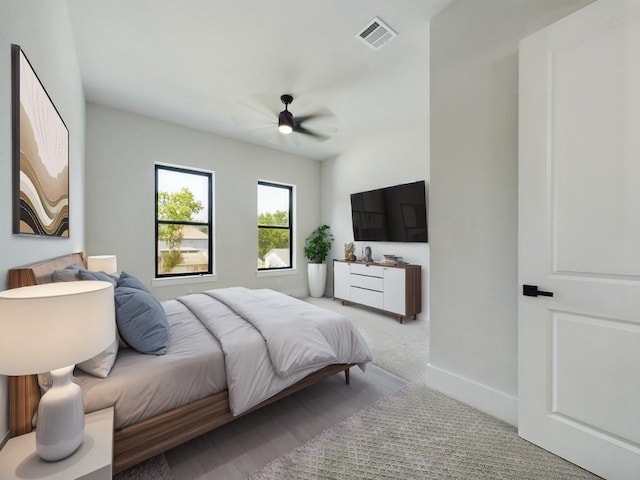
271, 340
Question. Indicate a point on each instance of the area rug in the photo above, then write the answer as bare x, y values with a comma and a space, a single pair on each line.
419, 433
156, 468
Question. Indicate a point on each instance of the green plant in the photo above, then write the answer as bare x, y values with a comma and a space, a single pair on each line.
170, 259
318, 244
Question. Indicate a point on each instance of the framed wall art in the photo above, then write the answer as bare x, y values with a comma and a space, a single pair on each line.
40, 155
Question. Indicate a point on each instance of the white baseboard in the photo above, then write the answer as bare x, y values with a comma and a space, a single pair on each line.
486, 399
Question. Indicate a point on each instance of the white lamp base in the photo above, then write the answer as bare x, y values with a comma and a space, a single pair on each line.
60, 427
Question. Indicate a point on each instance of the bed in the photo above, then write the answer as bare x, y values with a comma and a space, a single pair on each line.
219, 397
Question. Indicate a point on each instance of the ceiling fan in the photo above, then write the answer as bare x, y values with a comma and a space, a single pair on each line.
287, 123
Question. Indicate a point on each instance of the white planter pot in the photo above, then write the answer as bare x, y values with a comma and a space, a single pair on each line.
317, 273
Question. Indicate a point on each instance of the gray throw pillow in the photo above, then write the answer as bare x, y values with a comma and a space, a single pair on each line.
127, 280
101, 276
68, 274
142, 322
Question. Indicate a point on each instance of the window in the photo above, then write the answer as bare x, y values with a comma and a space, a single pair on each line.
275, 226
184, 221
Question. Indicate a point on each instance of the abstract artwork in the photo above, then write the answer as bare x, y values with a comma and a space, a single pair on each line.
40, 156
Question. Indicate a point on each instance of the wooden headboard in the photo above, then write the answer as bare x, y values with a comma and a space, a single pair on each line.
42, 272
24, 391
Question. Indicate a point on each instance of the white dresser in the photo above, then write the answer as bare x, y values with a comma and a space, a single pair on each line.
393, 288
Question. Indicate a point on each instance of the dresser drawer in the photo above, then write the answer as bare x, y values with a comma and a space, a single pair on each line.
370, 270
363, 281
367, 297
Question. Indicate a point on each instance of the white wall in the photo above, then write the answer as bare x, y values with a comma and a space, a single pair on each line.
474, 169
121, 151
42, 29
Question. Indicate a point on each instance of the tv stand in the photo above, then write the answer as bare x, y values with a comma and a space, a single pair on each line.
388, 287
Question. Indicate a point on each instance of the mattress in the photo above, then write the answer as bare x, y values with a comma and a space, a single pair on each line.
141, 386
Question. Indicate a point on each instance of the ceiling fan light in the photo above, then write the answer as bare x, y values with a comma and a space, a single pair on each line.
285, 122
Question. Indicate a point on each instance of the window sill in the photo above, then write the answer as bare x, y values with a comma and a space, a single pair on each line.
186, 280
276, 273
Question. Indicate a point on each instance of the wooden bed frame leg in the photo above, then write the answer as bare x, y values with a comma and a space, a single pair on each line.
347, 376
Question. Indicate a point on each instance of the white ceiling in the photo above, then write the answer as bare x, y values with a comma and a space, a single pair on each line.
221, 65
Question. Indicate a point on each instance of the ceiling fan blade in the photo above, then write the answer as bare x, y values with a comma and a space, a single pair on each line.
305, 131
305, 118
324, 113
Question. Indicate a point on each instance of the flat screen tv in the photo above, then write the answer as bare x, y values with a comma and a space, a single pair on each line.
391, 214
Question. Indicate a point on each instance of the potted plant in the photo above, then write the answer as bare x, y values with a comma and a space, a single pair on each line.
316, 249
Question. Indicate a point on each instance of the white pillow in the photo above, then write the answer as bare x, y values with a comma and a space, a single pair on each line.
101, 364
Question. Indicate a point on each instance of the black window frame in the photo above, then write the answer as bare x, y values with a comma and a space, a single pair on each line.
208, 223
278, 227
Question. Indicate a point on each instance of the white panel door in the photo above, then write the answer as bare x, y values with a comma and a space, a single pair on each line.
579, 238
395, 290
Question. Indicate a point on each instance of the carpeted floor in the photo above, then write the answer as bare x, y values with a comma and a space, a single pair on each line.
419, 433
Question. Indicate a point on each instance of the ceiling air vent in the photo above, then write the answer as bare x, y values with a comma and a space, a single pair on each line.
376, 34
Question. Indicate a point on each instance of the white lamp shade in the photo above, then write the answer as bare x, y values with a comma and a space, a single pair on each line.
50, 326
102, 263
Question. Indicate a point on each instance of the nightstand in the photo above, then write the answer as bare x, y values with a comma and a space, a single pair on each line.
92, 461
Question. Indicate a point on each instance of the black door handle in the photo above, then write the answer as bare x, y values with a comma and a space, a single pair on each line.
532, 291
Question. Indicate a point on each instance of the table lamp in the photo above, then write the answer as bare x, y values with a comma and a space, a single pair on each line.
51, 327
102, 263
